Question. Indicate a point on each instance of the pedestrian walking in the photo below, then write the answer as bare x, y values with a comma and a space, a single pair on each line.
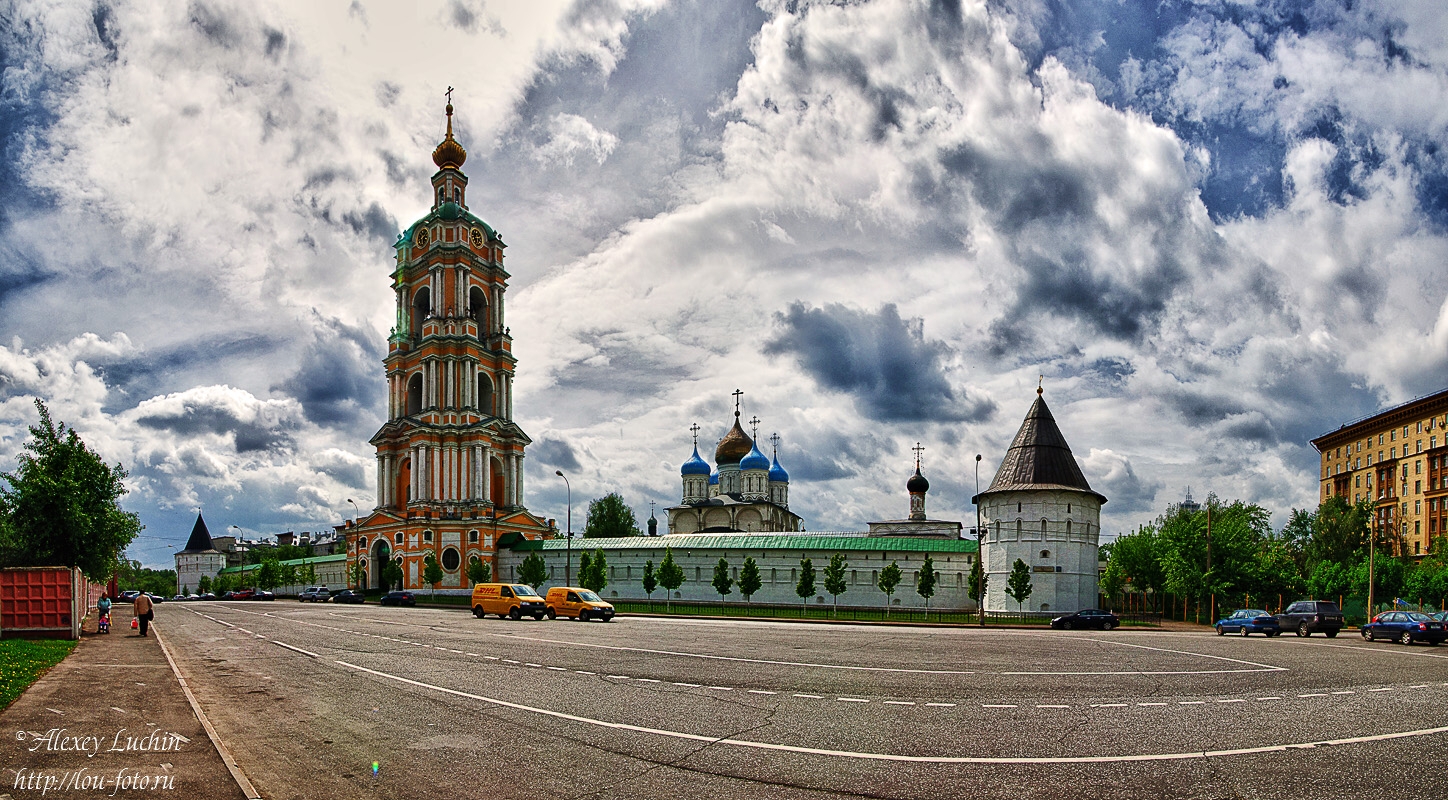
103, 616
143, 611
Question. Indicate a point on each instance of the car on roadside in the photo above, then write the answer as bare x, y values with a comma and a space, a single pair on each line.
1404, 627
206, 596
507, 600
572, 602
156, 598
1311, 616
400, 598
239, 594
314, 594
1087, 618
130, 595
262, 594
1246, 621
1441, 616
348, 596
178, 598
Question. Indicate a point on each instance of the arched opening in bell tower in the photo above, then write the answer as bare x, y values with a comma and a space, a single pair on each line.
478, 309
414, 394
485, 396
498, 492
404, 481
421, 309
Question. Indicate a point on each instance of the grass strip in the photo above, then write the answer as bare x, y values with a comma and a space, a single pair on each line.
23, 661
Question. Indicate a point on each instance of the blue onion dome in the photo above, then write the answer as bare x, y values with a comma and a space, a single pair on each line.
917, 483
714, 477
755, 459
695, 465
777, 473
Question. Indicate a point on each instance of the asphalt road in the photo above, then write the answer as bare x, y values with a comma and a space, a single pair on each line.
308, 697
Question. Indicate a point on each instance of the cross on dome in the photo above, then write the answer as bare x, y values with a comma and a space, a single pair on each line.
695, 430
918, 449
754, 426
737, 394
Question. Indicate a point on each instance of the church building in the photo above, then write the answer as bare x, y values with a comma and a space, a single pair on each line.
450, 456
746, 493
199, 558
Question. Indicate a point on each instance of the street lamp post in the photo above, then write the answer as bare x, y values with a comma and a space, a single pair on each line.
979, 545
355, 509
568, 565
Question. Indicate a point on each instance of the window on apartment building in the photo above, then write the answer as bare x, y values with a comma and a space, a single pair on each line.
1357, 483
1417, 506
1392, 436
1417, 487
1418, 448
1405, 431
1420, 427
1417, 547
1392, 452
1418, 467
1380, 440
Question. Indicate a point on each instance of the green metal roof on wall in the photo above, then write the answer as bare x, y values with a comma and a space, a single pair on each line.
759, 541
292, 562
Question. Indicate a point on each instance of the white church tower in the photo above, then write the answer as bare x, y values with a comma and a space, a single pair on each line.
1039, 509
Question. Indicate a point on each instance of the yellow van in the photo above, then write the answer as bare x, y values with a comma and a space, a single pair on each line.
507, 600
575, 603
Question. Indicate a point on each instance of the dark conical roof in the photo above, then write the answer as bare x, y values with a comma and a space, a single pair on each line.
200, 541
1039, 458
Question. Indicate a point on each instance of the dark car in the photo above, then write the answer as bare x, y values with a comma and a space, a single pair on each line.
1404, 627
1311, 616
398, 599
262, 594
1088, 618
129, 595
206, 596
1441, 616
1248, 620
348, 596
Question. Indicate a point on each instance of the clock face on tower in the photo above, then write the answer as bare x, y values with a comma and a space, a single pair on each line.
422, 238
477, 238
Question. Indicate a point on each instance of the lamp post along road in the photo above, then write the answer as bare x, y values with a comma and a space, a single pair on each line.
979, 545
568, 547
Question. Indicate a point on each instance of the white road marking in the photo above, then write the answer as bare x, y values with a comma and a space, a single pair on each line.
810, 696
624, 677
584, 672
997, 705
510, 661
1192, 703
899, 703
1151, 704
650, 680
474, 655
533, 665
685, 685
491, 658
1259, 667
1312, 695
1108, 705
298, 649
759, 691
1415, 686
1047, 705
852, 700
1237, 700
723, 688
1347, 691
558, 669
1269, 697
1383, 689
941, 705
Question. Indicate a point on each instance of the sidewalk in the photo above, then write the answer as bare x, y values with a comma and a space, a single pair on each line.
111, 713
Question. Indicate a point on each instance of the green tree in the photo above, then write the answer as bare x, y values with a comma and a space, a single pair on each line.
609, 516
650, 581
1137, 554
307, 574
432, 573
533, 571
185, 589
479, 571
925, 584
805, 588
203, 585
597, 576
288, 574
749, 580
391, 575
835, 579
978, 581
268, 575
61, 506
723, 581
1340, 532
671, 575
220, 584
585, 568
1112, 580
357, 575
1018, 584
890, 577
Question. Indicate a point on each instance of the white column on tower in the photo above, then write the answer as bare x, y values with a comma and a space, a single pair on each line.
519, 479
414, 488
381, 476
487, 467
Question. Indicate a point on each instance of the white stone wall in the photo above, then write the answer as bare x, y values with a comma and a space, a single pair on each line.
191, 566
778, 571
1068, 547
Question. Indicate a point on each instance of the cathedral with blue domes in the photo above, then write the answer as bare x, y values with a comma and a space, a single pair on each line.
748, 492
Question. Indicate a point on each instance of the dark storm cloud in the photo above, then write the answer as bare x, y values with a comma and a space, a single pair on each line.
884, 361
151, 372
472, 15
338, 378
215, 25
196, 419
554, 453
374, 222
1069, 286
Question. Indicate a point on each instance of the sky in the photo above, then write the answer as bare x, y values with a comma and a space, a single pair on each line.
1210, 230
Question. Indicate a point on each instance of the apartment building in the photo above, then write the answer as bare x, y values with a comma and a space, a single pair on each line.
1397, 459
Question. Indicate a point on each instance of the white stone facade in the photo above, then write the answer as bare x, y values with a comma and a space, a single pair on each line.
191, 566
1056, 532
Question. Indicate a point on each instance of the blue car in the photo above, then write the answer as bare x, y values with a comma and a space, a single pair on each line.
1248, 620
1404, 627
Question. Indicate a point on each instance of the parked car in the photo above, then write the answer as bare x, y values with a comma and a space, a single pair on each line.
1248, 620
239, 594
156, 598
572, 602
262, 594
348, 596
191, 597
206, 596
1311, 616
1087, 618
507, 600
314, 594
130, 595
1405, 627
178, 598
398, 599
1441, 616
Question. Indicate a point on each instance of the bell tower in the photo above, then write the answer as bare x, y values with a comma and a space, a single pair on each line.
450, 456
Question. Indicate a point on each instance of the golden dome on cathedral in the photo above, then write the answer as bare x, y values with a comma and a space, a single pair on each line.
735, 445
449, 153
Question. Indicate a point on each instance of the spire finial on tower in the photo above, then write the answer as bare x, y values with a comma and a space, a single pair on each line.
918, 449
737, 394
1039, 381
449, 153
694, 429
754, 426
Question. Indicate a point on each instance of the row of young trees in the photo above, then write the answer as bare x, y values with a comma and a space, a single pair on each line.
268, 574
1228, 550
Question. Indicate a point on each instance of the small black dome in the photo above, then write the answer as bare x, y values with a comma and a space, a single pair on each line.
917, 483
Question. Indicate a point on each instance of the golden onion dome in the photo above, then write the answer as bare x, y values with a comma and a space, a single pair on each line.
448, 152
735, 445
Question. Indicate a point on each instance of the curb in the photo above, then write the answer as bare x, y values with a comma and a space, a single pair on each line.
236, 773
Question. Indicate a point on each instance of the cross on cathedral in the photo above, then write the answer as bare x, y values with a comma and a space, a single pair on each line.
695, 430
449, 95
737, 394
754, 425
917, 449
774, 440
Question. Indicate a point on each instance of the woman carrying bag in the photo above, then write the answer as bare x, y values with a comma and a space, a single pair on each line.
143, 611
